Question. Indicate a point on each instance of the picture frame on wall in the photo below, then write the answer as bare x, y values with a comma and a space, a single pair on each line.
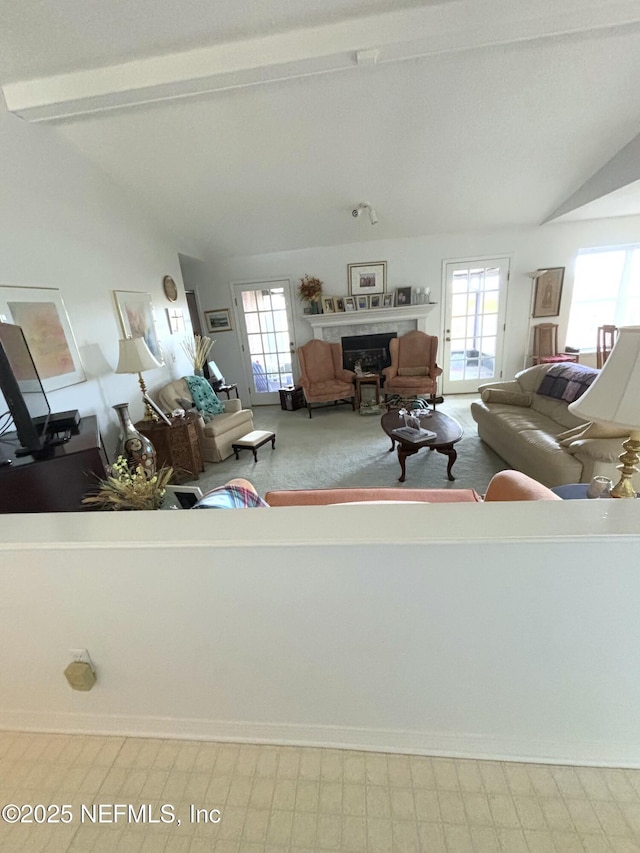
137, 319
218, 320
362, 303
548, 292
367, 278
40, 313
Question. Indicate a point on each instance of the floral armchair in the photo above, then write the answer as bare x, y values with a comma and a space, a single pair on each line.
323, 378
413, 367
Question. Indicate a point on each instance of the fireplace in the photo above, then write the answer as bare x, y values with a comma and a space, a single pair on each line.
372, 351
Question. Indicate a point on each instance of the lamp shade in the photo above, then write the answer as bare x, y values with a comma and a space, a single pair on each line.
135, 356
614, 396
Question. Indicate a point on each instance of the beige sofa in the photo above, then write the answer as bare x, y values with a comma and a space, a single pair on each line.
216, 436
527, 430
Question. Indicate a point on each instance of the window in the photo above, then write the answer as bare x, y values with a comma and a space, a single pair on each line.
606, 291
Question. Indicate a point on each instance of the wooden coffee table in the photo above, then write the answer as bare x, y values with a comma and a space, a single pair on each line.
448, 432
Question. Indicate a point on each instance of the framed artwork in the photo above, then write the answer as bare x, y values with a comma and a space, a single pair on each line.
349, 303
175, 316
218, 321
41, 314
548, 292
362, 303
338, 304
327, 305
403, 296
135, 310
375, 300
388, 300
367, 278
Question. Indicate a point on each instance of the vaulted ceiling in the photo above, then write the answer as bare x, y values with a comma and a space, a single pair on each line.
250, 127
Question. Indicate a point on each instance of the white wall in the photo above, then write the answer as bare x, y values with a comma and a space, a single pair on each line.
64, 224
419, 262
442, 628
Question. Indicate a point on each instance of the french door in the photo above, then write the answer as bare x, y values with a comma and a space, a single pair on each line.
474, 318
263, 310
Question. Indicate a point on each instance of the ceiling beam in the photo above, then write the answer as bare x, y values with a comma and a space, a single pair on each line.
389, 37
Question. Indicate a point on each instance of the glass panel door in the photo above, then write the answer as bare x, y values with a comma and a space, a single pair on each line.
475, 307
264, 311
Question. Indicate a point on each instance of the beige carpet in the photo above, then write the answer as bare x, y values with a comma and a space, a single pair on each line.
340, 448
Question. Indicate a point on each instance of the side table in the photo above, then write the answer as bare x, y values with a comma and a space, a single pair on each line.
227, 389
367, 379
176, 445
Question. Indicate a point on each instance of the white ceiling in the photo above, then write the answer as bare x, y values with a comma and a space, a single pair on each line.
480, 114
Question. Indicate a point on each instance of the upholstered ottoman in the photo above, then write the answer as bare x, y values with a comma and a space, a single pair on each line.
254, 440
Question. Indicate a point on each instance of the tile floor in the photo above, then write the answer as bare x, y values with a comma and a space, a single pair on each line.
290, 800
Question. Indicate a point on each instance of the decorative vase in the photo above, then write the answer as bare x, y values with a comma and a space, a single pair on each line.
198, 371
136, 448
314, 306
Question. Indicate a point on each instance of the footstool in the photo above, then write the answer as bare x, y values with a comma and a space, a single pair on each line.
254, 440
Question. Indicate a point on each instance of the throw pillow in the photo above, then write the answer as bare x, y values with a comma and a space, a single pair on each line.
595, 429
509, 398
413, 371
230, 497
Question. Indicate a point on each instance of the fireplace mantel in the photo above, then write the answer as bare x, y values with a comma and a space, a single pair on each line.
419, 313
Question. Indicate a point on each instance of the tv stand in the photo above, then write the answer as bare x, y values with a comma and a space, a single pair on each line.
58, 481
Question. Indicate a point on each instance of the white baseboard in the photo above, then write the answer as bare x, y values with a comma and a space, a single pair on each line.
442, 744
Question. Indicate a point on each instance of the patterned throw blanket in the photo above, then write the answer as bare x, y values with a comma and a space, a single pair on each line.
204, 397
230, 497
567, 382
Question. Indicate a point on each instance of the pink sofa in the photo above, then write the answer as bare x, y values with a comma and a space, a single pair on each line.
504, 486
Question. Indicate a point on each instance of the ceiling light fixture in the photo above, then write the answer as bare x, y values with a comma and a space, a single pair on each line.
364, 205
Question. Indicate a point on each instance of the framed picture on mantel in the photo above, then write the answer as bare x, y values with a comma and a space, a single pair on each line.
365, 279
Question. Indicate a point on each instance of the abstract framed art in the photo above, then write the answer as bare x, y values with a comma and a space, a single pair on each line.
41, 314
135, 310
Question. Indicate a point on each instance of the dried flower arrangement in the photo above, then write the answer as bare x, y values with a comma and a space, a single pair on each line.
126, 489
197, 348
310, 289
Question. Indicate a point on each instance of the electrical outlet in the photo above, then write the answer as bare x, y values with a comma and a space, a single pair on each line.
80, 656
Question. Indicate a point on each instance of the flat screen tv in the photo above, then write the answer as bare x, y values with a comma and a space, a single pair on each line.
23, 391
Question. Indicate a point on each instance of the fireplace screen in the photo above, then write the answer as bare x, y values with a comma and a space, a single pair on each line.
372, 351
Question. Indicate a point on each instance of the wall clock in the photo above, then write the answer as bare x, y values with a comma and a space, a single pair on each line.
170, 289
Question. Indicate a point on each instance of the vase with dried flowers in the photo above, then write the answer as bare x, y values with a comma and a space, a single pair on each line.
197, 349
126, 489
310, 290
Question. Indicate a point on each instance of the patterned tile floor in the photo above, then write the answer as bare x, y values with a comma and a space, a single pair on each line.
290, 800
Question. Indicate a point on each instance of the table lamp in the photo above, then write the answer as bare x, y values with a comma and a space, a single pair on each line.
614, 397
136, 357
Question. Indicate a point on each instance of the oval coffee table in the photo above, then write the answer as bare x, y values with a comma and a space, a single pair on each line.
448, 432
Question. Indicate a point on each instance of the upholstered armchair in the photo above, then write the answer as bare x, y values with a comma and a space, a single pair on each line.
216, 436
413, 369
323, 378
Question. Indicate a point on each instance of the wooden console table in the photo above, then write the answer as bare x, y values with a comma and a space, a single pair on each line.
57, 482
176, 445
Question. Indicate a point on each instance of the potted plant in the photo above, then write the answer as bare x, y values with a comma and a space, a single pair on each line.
128, 488
310, 290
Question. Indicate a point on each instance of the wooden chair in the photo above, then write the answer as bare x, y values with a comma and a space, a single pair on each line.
545, 345
606, 339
